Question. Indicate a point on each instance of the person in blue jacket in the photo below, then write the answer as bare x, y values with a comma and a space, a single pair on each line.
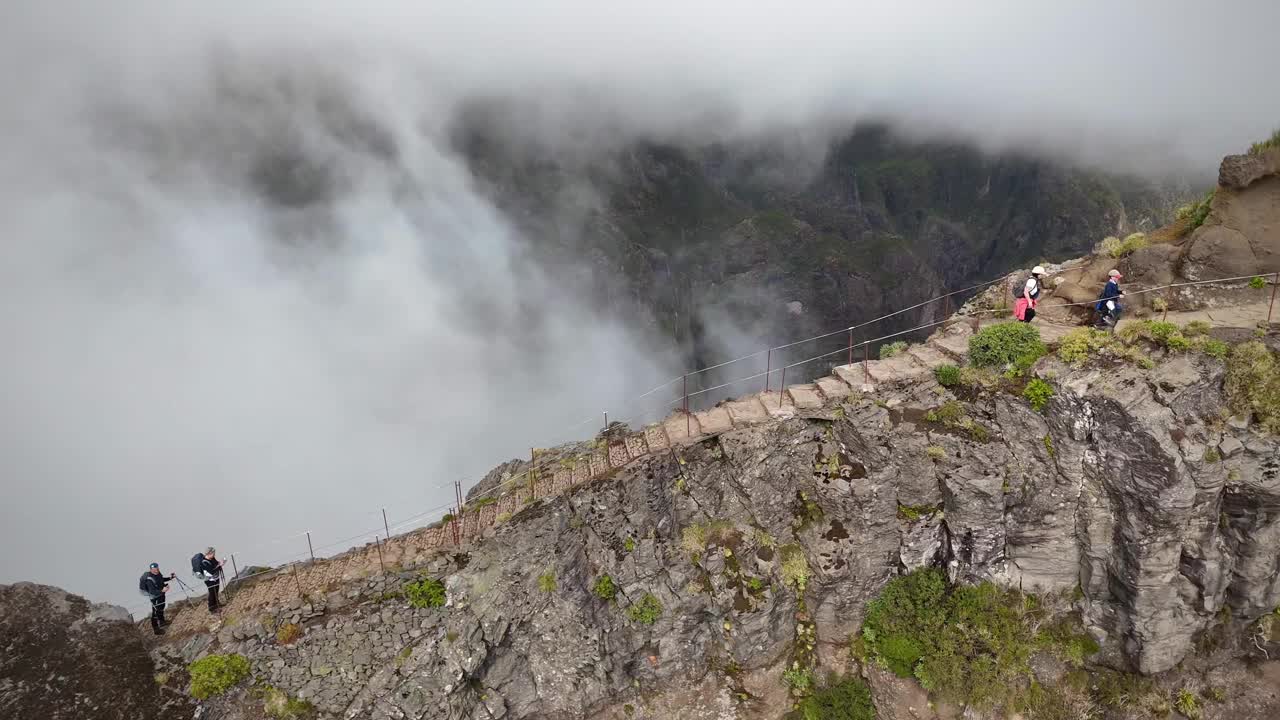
1108, 307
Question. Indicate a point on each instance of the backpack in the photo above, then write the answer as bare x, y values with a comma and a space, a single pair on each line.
1018, 289
197, 564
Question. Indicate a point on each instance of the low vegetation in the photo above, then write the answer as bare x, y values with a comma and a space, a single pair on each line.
911, 513
213, 675
604, 588
841, 698
795, 568
547, 582
947, 375
277, 704
1116, 248
967, 644
646, 610
1004, 344
1271, 143
892, 349
1253, 384
288, 633
1199, 211
426, 592
1038, 393
951, 414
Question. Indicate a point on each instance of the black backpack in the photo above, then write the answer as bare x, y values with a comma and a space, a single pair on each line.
1019, 289
197, 563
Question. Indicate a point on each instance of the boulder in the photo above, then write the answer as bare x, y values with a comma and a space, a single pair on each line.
1241, 171
1218, 251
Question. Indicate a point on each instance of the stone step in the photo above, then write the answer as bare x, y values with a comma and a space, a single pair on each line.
746, 411
853, 375
714, 421
952, 344
833, 388
900, 368
777, 404
680, 428
928, 356
805, 397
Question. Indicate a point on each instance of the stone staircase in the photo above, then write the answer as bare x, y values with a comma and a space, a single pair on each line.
415, 548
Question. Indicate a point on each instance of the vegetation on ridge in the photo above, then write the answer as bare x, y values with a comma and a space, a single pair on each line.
213, 675
1004, 344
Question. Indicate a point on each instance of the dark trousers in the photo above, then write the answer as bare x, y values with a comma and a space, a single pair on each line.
157, 613
213, 594
1029, 316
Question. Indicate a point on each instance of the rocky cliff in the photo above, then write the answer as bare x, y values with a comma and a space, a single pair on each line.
1126, 488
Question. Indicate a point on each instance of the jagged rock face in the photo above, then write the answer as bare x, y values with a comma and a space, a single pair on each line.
1239, 236
62, 658
1107, 491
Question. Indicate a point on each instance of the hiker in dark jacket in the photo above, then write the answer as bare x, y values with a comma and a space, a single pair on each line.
1108, 307
154, 585
211, 571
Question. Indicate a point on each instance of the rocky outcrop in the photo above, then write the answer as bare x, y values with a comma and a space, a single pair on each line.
763, 544
1241, 232
63, 658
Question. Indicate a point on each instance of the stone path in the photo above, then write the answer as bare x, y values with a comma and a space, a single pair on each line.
414, 549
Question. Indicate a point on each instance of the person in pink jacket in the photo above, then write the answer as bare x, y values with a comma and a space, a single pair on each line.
1028, 296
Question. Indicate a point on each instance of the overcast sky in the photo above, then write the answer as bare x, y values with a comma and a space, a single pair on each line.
195, 356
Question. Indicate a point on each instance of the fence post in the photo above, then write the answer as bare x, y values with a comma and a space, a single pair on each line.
782, 386
532, 457
298, 581
866, 373
946, 306
458, 541
234, 570
1275, 282
1168, 300
850, 346
381, 564
768, 368
688, 430
309, 549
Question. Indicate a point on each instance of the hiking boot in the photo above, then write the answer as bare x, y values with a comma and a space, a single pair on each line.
159, 630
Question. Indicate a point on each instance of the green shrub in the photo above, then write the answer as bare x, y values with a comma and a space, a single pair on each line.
1253, 384
935, 452
1159, 305
645, 611
911, 513
1211, 454
215, 674
1077, 346
847, 698
947, 375
948, 413
1185, 211
1271, 143
1000, 345
903, 620
798, 679
1177, 343
1117, 248
1188, 704
970, 645
1037, 393
629, 545
983, 649
425, 592
1200, 212
1257, 283
547, 581
605, 589
893, 348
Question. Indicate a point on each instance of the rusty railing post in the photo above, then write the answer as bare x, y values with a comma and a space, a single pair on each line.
532, 460
768, 368
384, 523
310, 549
866, 373
381, 564
456, 539
782, 386
850, 346
1275, 282
298, 581
1168, 300
234, 569
687, 429
606, 419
